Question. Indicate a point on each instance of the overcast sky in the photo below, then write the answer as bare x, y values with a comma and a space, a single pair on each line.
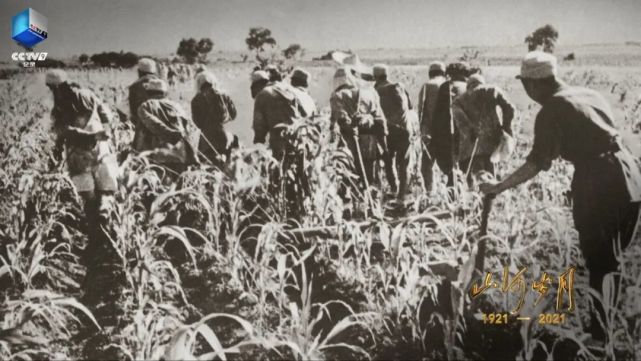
156, 26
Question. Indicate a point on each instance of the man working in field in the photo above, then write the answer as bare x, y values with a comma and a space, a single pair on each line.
483, 118
211, 108
300, 81
357, 112
276, 106
395, 102
576, 124
147, 70
80, 123
426, 105
443, 132
163, 128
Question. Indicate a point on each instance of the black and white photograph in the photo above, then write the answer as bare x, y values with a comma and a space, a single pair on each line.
320, 180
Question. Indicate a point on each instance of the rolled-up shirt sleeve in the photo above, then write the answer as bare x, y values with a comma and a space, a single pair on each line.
547, 139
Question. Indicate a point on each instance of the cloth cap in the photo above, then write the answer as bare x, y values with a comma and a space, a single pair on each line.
459, 68
475, 80
301, 74
206, 77
158, 85
55, 77
437, 66
538, 65
259, 75
379, 70
146, 65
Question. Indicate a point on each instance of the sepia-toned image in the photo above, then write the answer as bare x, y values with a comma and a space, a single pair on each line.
320, 180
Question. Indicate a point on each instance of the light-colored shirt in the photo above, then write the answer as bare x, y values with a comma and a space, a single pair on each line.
275, 104
307, 103
349, 101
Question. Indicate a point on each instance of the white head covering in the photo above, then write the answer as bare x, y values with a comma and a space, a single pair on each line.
206, 77
158, 85
537, 65
148, 66
55, 77
259, 75
343, 76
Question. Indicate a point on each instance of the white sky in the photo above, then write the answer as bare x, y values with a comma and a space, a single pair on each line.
156, 26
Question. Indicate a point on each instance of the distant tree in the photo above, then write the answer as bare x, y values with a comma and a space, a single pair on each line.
258, 38
192, 50
543, 38
292, 51
204, 47
127, 60
114, 59
187, 49
83, 58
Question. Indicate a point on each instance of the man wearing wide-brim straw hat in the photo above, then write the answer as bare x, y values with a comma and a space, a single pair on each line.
576, 124
353, 64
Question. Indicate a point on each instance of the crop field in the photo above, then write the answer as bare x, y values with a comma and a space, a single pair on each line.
209, 265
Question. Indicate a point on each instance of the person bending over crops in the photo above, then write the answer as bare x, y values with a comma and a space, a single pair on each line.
396, 104
483, 120
211, 108
164, 129
300, 81
276, 106
426, 105
441, 145
360, 119
147, 70
576, 124
80, 123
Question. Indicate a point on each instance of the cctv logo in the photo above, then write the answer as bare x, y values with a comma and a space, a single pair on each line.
29, 28
29, 56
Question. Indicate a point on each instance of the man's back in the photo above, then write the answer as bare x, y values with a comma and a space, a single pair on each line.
138, 94
480, 116
348, 101
394, 102
307, 103
427, 103
274, 105
580, 120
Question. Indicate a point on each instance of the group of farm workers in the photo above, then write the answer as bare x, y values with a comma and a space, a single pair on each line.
464, 124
